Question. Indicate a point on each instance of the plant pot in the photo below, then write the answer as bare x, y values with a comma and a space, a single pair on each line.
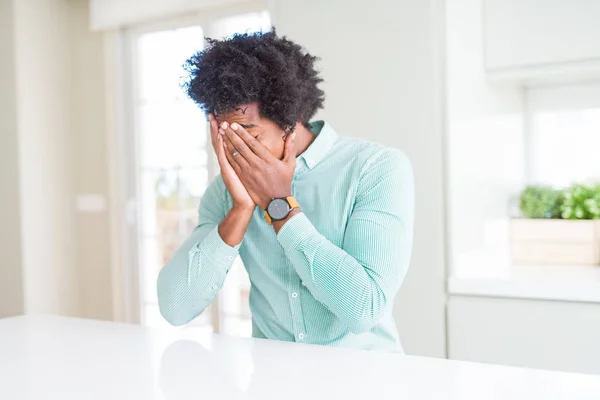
555, 241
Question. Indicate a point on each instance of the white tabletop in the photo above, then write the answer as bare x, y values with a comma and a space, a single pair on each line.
61, 358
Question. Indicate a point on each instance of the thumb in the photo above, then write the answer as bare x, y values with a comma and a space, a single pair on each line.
289, 150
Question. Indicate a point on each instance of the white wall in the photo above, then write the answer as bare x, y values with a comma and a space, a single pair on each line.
11, 285
381, 83
53, 146
485, 136
90, 160
45, 156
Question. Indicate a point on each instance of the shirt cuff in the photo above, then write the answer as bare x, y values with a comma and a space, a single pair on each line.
294, 231
215, 249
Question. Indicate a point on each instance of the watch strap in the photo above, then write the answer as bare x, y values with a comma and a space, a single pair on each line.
292, 202
268, 218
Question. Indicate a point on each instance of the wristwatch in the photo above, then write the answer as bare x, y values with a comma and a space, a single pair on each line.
279, 208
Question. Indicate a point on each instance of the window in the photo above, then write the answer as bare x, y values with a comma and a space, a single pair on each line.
565, 134
173, 156
172, 164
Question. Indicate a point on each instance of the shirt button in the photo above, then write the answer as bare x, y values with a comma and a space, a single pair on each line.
214, 287
301, 336
294, 295
303, 284
230, 258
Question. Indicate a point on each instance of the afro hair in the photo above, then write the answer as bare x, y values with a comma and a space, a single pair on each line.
259, 67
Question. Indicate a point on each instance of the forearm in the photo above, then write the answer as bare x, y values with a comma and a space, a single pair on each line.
233, 227
355, 290
194, 275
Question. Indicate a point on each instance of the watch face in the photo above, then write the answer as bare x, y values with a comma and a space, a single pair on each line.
278, 209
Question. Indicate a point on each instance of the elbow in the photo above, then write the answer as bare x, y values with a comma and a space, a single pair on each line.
172, 315
175, 320
169, 304
364, 321
169, 310
362, 325
369, 314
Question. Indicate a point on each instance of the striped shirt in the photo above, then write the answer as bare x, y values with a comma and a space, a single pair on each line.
330, 275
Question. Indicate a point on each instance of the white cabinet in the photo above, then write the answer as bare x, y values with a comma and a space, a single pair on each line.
553, 335
529, 38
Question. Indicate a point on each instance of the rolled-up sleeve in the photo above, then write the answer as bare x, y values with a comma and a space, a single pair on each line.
191, 279
358, 281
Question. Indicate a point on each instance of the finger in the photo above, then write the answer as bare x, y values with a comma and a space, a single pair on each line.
239, 144
257, 147
221, 157
289, 151
232, 160
232, 151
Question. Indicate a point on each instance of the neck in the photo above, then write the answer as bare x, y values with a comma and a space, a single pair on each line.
304, 138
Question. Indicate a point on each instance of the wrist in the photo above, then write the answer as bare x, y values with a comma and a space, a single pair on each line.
243, 208
233, 227
277, 225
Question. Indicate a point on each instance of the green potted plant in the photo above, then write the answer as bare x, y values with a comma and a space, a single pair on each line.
557, 226
540, 202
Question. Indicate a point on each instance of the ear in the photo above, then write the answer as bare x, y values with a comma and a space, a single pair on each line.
290, 129
289, 149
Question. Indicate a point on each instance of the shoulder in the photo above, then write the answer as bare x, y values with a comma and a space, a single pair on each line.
375, 158
387, 159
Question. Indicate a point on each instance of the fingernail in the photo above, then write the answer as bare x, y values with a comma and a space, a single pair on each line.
224, 143
234, 126
224, 125
221, 131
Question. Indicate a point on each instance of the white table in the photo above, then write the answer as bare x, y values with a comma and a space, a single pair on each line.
60, 358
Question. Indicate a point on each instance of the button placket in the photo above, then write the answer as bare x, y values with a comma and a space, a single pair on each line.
296, 307
299, 329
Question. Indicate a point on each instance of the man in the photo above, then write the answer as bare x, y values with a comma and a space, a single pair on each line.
323, 223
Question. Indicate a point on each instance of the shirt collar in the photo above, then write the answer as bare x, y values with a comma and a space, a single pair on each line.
325, 139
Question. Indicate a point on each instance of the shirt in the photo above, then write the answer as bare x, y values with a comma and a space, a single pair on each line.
329, 277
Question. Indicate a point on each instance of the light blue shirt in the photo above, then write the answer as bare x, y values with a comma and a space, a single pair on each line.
330, 275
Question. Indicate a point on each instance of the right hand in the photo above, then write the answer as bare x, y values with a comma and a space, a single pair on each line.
239, 194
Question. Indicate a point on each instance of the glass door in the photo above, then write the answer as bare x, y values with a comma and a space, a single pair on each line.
172, 164
172, 156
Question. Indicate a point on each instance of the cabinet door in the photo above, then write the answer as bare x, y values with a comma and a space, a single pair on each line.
528, 333
537, 33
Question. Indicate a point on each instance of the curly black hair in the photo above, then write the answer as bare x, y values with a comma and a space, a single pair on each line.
259, 67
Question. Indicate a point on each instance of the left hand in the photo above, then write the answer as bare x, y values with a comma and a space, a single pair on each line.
264, 176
